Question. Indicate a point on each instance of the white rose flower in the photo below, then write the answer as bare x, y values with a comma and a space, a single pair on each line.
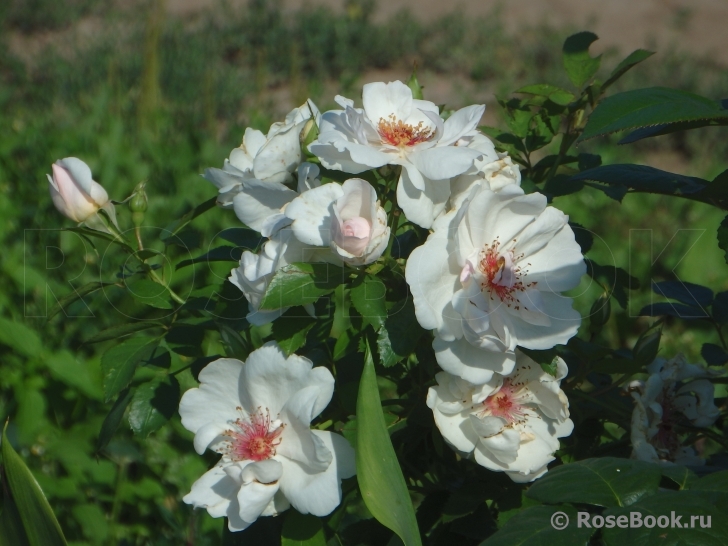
394, 128
510, 424
347, 217
261, 166
662, 402
255, 271
76, 195
257, 415
489, 278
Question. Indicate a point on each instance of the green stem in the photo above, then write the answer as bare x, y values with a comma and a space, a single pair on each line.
116, 503
156, 278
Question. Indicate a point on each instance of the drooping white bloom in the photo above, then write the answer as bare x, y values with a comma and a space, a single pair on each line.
396, 129
510, 424
489, 278
257, 415
76, 195
665, 400
255, 271
348, 218
261, 166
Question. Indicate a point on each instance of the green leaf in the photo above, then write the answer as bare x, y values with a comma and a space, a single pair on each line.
78, 294
555, 94
650, 106
667, 128
414, 85
113, 419
533, 527
11, 526
505, 142
606, 481
235, 345
120, 362
368, 298
680, 475
614, 279
20, 338
41, 526
640, 178
301, 284
713, 354
632, 59
242, 237
175, 227
617, 365
219, 254
381, 482
115, 332
400, 334
290, 331
80, 374
723, 237
302, 530
684, 292
149, 293
664, 503
580, 66
153, 404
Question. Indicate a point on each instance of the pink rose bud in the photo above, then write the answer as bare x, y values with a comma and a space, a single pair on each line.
73, 191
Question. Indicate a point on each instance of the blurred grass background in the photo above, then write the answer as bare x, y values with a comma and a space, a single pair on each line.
138, 94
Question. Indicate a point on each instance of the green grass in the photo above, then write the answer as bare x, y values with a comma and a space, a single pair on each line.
160, 100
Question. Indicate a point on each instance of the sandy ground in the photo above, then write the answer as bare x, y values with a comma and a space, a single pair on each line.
697, 26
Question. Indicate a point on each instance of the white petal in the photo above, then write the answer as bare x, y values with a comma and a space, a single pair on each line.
271, 379
217, 492
455, 428
460, 123
565, 322
258, 201
216, 399
384, 100
443, 163
500, 448
298, 443
319, 493
433, 279
476, 365
312, 214
422, 206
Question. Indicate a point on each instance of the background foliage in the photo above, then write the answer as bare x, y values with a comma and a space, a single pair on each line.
147, 97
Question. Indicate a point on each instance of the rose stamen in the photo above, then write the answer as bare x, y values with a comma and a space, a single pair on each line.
398, 133
254, 438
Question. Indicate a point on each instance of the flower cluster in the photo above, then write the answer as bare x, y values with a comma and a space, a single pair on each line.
488, 279
675, 392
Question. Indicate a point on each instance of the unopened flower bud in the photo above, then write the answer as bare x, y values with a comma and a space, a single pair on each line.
138, 204
73, 191
309, 133
414, 85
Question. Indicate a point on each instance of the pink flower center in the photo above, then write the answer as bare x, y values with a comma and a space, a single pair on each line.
356, 227
505, 404
254, 438
502, 275
398, 133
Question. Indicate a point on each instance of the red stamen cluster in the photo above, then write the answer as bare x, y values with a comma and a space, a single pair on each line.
491, 263
252, 439
397, 133
504, 404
